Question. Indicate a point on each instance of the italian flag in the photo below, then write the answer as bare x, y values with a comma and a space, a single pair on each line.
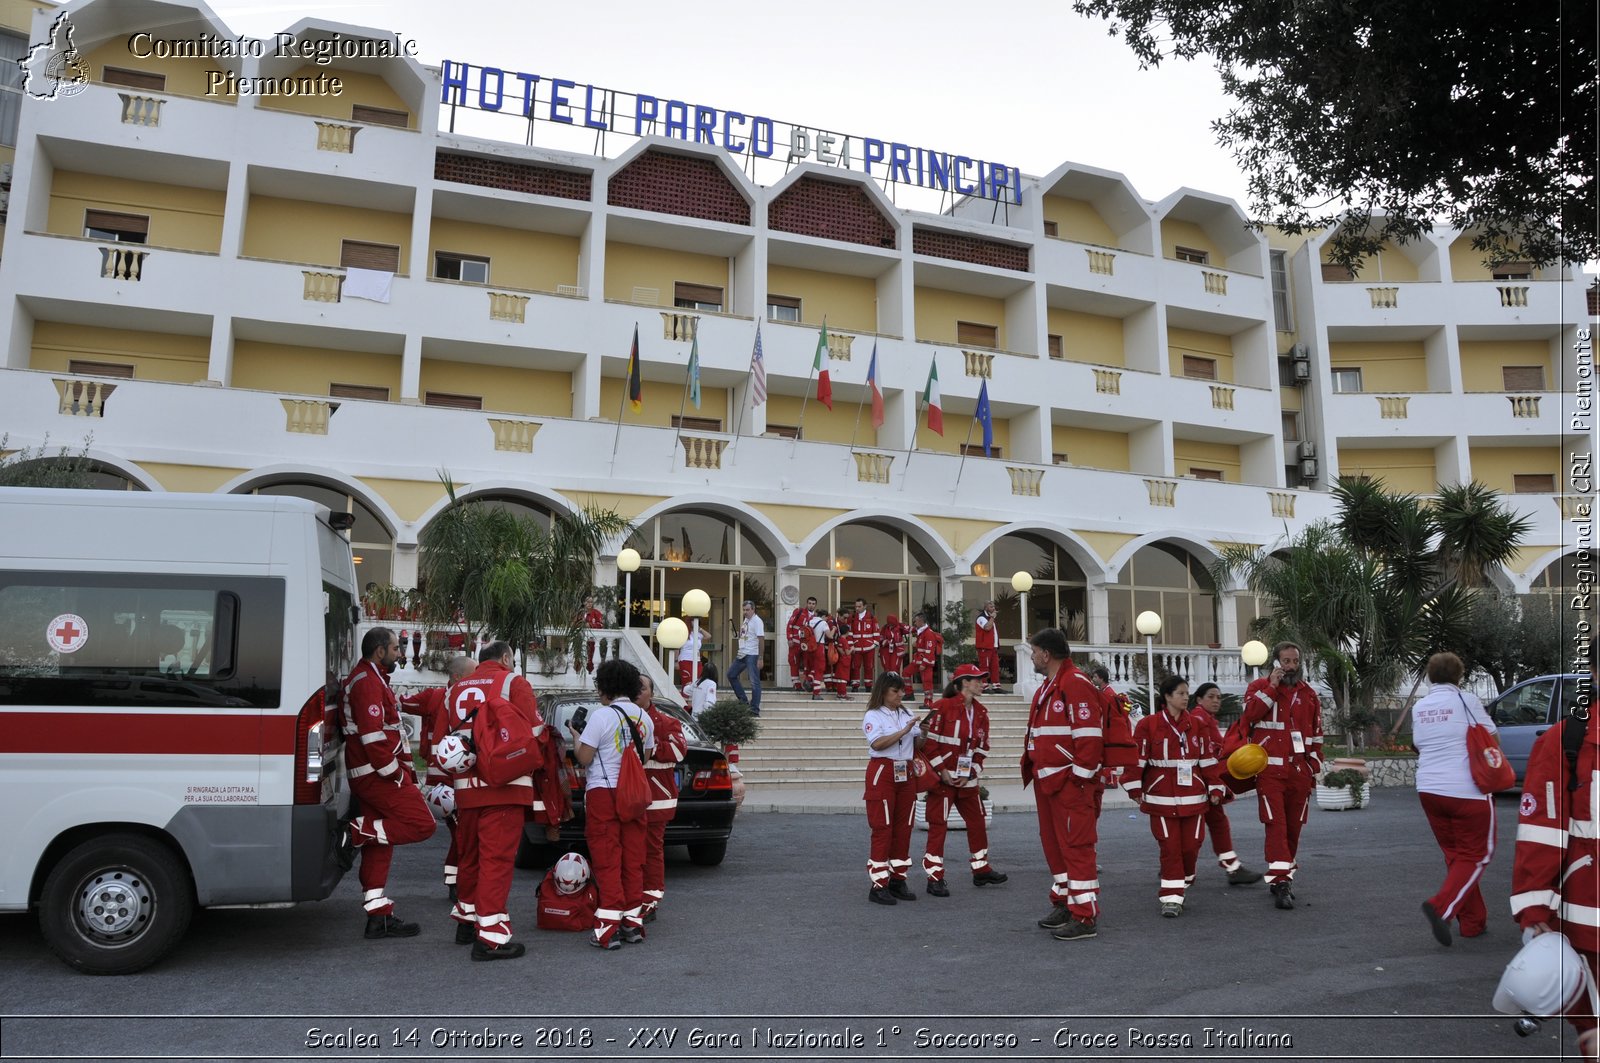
930, 399
820, 367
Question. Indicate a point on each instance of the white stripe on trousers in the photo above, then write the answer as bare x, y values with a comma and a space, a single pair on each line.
1477, 872
374, 899
495, 929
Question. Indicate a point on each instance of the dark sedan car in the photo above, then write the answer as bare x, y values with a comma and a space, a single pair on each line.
704, 818
1531, 708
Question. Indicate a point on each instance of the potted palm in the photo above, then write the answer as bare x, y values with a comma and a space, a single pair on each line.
1342, 789
730, 723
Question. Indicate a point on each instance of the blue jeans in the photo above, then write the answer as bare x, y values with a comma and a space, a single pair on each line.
751, 664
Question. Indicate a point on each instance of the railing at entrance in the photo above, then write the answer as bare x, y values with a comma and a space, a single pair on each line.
548, 664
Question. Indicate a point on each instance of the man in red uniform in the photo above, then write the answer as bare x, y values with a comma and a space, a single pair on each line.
794, 633
864, 645
381, 778
1554, 885
924, 657
818, 631
1283, 715
844, 641
429, 705
661, 772
956, 745
987, 638
594, 620
892, 647
1061, 757
1207, 700
492, 817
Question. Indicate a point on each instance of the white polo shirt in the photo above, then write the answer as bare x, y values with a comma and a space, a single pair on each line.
879, 722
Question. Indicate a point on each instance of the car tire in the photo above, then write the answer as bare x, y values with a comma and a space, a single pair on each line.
144, 904
707, 854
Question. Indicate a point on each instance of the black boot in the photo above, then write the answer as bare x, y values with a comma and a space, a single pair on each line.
1281, 896
878, 895
387, 926
990, 877
509, 951
466, 933
900, 891
937, 888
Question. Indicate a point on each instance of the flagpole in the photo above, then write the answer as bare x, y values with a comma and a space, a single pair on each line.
683, 400
800, 428
857, 427
960, 468
620, 404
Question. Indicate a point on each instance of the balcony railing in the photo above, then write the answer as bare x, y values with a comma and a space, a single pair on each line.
1101, 261
1513, 295
141, 110
334, 137
1107, 382
503, 306
873, 468
1215, 283
1384, 298
122, 263
83, 398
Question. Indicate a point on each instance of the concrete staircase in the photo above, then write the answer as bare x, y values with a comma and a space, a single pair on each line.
818, 745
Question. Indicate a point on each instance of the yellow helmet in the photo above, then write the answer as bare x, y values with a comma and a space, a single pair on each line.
1247, 761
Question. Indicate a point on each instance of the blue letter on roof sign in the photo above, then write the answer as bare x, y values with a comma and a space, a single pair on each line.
645, 109
454, 76
872, 152
499, 78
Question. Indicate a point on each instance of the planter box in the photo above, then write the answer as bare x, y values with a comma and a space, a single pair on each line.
1339, 798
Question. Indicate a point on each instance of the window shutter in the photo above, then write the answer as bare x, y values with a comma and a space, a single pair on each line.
975, 450
697, 424
1050, 228
380, 116
696, 293
115, 222
1205, 474
1534, 483
1057, 350
971, 334
1199, 368
355, 254
78, 366
133, 79
1334, 273
358, 391
454, 402
1523, 377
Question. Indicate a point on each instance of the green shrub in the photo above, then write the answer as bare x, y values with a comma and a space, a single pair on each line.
729, 722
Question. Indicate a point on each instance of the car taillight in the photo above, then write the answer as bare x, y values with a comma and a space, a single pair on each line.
715, 779
308, 752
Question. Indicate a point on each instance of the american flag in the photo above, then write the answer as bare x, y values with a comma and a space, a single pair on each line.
758, 373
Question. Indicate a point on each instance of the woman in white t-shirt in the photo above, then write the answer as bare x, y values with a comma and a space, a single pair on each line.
1461, 815
616, 846
891, 731
702, 695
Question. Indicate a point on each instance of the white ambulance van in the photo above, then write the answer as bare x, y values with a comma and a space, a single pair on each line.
165, 660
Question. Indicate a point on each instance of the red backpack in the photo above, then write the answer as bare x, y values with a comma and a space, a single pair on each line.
1120, 749
503, 739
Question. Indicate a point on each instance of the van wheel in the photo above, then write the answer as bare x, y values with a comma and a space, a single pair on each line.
707, 854
116, 904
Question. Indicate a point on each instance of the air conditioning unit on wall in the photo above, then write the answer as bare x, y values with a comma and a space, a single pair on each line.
1308, 468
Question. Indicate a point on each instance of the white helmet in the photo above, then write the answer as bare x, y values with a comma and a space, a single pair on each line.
571, 872
453, 755
442, 799
1545, 979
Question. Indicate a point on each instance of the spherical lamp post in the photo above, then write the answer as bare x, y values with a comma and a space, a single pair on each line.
627, 564
1148, 624
696, 604
1254, 655
671, 634
1022, 583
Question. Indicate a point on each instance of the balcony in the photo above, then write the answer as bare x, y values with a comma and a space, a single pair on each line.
74, 269
1236, 296
184, 126
1090, 267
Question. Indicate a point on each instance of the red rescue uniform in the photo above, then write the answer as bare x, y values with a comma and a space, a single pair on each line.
864, 636
925, 661
1173, 783
382, 779
892, 645
492, 817
1217, 825
1553, 878
957, 742
1061, 758
661, 772
987, 638
794, 635
1287, 722
890, 795
429, 706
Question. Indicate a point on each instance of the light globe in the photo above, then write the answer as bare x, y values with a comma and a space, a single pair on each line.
696, 604
1254, 653
672, 633
1148, 623
628, 560
1021, 582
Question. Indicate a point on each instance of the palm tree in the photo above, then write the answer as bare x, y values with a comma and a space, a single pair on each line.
505, 574
1390, 581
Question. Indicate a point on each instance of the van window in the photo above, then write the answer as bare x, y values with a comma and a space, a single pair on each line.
1526, 704
339, 632
136, 639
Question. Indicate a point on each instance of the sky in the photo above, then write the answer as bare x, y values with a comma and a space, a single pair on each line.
1030, 83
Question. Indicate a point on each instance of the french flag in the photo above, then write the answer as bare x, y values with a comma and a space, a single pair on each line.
877, 392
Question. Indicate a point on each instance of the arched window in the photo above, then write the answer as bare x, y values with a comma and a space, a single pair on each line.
701, 549
1166, 578
875, 561
1059, 597
371, 544
1553, 589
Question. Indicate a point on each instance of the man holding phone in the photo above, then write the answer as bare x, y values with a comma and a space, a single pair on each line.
1283, 715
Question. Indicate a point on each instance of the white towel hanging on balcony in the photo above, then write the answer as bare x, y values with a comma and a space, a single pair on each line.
371, 284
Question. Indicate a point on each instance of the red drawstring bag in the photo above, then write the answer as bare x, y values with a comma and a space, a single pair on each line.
1491, 771
633, 791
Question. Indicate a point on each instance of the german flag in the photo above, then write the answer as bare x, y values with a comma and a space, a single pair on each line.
635, 386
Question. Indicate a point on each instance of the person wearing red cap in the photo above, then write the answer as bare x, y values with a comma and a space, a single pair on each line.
957, 743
